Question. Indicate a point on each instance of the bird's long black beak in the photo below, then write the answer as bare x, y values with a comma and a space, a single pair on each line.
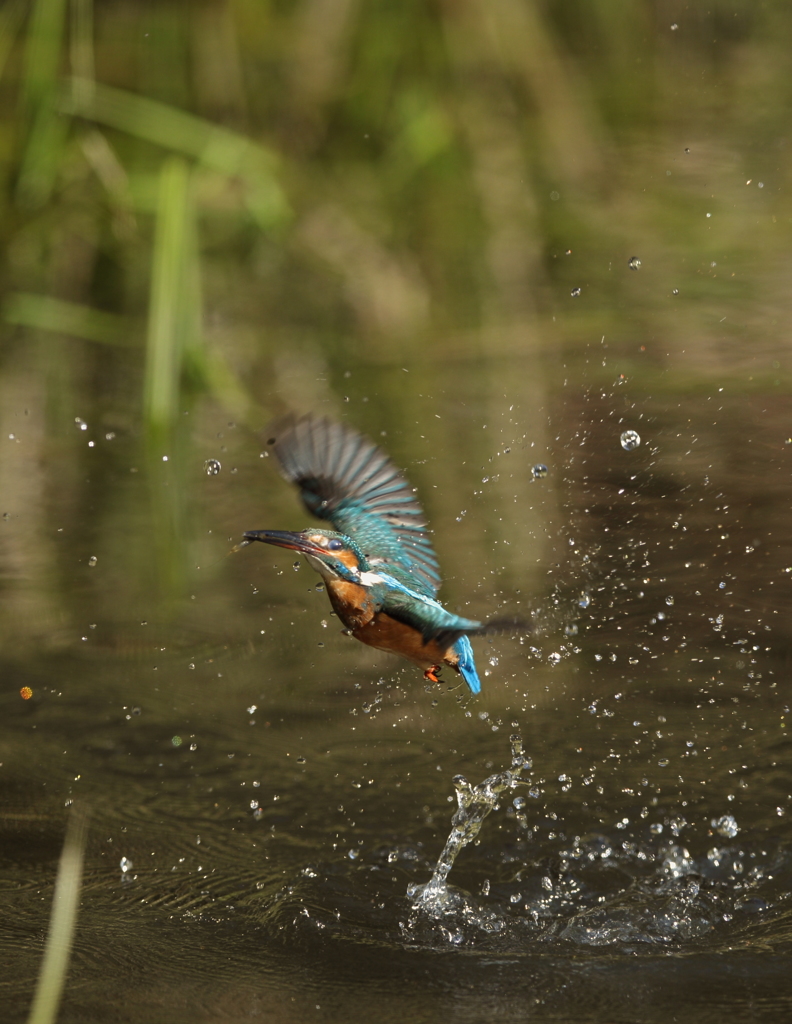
284, 539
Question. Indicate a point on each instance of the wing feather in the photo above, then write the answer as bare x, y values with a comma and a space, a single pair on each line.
347, 480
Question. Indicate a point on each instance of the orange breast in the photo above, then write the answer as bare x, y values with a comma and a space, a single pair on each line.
387, 634
351, 602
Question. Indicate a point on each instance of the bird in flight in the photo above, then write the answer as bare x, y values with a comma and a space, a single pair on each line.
377, 562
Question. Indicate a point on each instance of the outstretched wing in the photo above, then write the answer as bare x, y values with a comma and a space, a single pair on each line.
348, 481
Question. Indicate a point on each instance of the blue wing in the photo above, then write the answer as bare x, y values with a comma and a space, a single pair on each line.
466, 665
346, 479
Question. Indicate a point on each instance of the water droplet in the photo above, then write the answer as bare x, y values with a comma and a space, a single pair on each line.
212, 467
109, 435
669, 599
634, 263
674, 27
584, 601
571, 629
554, 658
575, 292
630, 440
726, 825
675, 291
297, 566
539, 471
126, 865
92, 561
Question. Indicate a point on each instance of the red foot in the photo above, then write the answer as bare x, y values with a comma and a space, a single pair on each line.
431, 674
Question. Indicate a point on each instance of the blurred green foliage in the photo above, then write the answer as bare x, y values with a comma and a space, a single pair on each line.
389, 172
240, 200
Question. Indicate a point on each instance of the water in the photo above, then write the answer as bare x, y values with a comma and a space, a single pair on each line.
436, 248
475, 803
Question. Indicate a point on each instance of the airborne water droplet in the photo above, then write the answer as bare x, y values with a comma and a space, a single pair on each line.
630, 440
634, 263
212, 467
726, 825
575, 292
539, 471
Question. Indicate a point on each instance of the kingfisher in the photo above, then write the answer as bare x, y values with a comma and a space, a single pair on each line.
377, 563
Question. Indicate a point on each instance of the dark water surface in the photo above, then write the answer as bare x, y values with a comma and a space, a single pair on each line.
263, 790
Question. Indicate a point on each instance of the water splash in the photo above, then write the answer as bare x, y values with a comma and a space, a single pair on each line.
474, 804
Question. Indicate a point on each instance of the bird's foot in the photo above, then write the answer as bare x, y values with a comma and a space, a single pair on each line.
431, 674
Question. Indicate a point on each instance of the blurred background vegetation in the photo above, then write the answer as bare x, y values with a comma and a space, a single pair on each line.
488, 233
215, 209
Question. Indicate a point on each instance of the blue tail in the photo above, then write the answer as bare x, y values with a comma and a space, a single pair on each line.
466, 664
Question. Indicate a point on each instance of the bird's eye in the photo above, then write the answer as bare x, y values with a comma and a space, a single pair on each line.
335, 545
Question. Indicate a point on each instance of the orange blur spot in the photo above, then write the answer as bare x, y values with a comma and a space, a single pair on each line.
25, 693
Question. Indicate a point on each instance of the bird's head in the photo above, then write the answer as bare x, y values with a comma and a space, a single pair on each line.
333, 555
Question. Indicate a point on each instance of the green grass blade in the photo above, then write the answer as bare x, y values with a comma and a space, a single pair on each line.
44, 313
167, 313
191, 136
82, 48
43, 157
63, 920
48, 127
43, 51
